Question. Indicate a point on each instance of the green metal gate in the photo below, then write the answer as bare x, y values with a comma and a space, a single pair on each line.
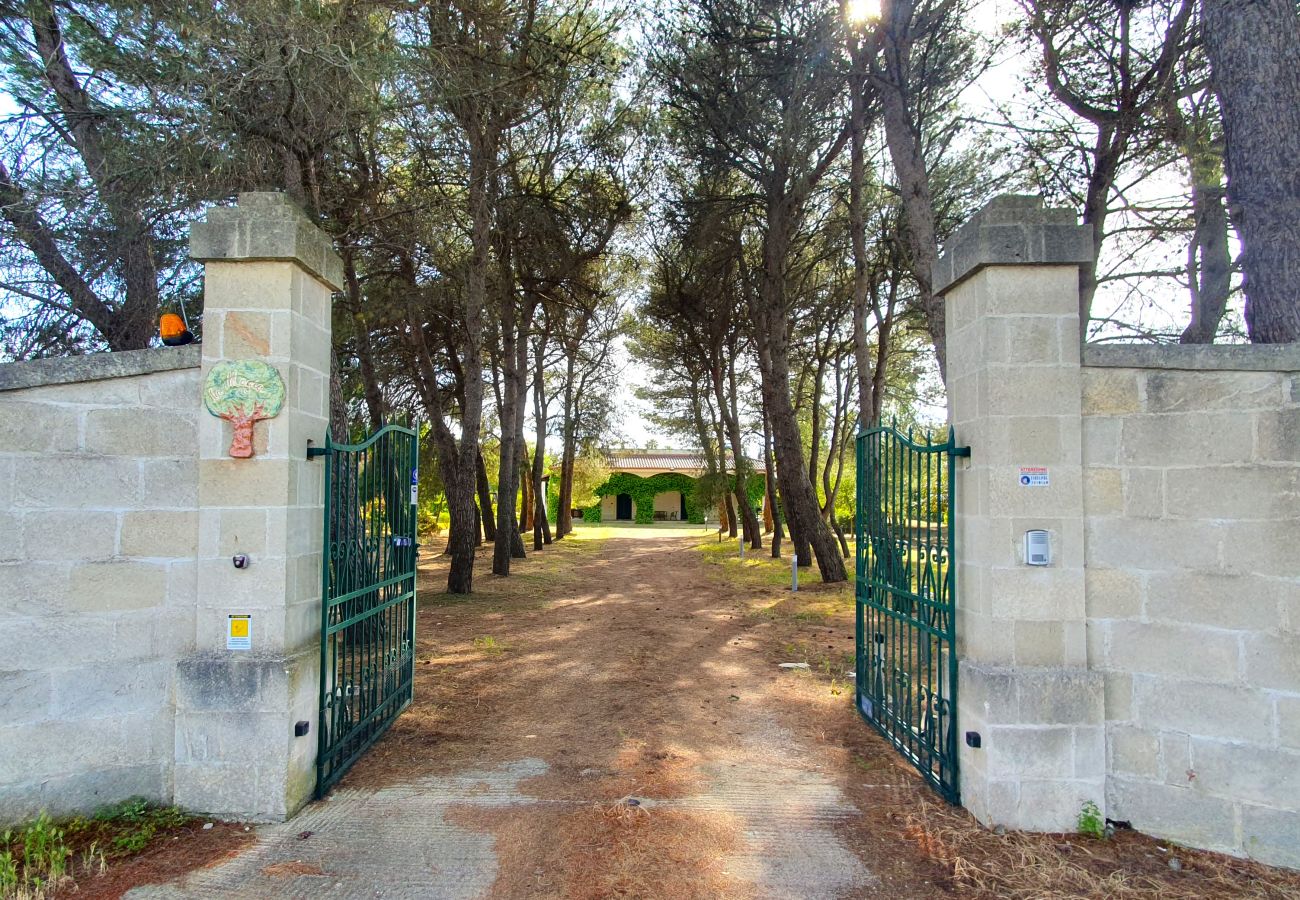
907, 598
367, 651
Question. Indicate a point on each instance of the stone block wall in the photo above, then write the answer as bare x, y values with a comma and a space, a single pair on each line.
98, 534
1192, 489
1153, 667
120, 513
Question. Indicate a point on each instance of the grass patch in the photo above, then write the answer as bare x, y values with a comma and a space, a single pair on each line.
46, 855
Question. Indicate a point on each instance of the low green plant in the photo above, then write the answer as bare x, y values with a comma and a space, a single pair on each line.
488, 644
8, 868
1091, 822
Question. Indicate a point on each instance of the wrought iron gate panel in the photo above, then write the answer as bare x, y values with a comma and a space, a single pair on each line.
367, 661
907, 598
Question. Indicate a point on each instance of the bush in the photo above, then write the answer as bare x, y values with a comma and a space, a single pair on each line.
591, 515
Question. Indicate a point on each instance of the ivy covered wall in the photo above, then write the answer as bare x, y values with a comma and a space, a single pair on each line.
644, 490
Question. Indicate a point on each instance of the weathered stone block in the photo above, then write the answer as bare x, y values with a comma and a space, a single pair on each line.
1144, 493
1101, 440
1213, 710
106, 586
1035, 593
265, 226
37, 427
238, 482
62, 534
1278, 436
1234, 492
1186, 439
1261, 547
1029, 752
1055, 391
1134, 751
1039, 643
76, 482
84, 792
1057, 696
1176, 759
1178, 650
1288, 722
1054, 804
25, 697
1241, 602
167, 533
169, 483
1273, 661
1113, 593
1177, 391
141, 432
1271, 836
113, 690
1179, 813
1111, 392
246, 335
1118, 693
1238, 772
1120, 543
1103, 491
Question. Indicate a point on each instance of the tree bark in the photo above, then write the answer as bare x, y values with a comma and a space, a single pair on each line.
361, 330
777, 530
905, 152
770, 327
568, 454
1254, 52
485, 501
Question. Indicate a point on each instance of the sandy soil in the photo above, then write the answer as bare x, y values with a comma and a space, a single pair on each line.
630, 679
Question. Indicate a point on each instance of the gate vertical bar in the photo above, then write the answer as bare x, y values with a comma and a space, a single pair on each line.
905, 624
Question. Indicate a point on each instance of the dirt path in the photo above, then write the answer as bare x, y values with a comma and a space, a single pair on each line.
613, 721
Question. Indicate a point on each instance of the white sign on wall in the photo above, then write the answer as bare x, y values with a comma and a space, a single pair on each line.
239, 632
1035, 476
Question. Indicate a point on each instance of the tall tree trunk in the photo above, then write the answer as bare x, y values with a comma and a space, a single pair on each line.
485, 501
541, 526
727, 407
770, 324
1254, 52
568, 452
1209, 261
858, 233
461, 490
361, 330
777, 530
907, 156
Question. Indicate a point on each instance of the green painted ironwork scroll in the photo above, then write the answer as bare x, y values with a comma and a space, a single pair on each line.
367, 662
907, 597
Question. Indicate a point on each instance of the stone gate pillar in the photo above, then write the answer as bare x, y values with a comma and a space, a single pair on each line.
269, 276
1009, 279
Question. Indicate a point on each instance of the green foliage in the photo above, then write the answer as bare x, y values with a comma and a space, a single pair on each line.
1091, 822
644, 490
591, 515
33, 858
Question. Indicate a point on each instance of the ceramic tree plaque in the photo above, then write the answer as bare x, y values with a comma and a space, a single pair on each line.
242, 392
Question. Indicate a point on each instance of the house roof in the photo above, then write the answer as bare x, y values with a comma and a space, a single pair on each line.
685, 460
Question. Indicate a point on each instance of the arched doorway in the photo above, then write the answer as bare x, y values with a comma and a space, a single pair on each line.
623, 507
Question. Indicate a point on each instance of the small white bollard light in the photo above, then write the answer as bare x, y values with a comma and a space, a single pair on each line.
742, 546
794, 571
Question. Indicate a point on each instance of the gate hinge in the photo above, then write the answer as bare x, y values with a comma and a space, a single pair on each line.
961, 451
313, 452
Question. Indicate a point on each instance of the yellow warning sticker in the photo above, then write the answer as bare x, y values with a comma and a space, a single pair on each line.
239, 632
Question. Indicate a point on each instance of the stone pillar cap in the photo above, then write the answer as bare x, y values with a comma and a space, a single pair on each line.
266, 226
1012, 230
